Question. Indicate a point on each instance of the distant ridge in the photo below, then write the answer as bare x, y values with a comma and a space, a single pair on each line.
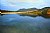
29, 9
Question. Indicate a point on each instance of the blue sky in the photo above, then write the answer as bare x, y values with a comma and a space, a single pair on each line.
19, 4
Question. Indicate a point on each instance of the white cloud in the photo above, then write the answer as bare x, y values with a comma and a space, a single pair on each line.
14, 2
11, 5
21, 0
24, 3
6, 3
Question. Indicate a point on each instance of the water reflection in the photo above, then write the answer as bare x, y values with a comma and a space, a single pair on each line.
24, 24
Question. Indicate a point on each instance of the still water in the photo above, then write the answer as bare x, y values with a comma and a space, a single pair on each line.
24, 24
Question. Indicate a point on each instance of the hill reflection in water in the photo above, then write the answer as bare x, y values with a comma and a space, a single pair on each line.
24, 24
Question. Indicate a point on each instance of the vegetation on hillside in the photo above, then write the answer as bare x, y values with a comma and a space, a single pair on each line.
32, 12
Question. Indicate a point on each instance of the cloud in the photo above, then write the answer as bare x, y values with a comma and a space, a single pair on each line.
21, 0
24, 3
17, 2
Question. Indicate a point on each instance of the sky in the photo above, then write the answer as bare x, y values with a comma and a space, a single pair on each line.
19, 4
